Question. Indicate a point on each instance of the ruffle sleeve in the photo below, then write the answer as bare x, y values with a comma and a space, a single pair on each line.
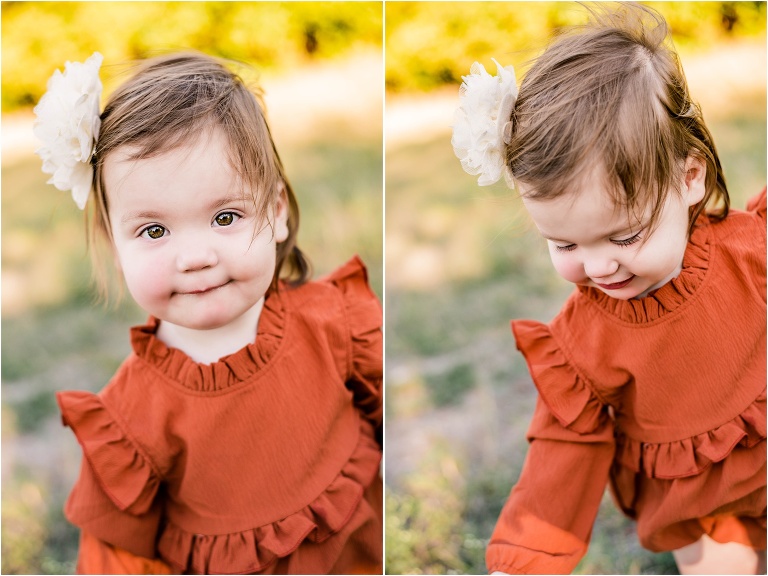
363, 312
757, 204
114, 497
561, 387
546, 524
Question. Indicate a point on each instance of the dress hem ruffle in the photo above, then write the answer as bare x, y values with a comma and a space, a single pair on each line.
254, 550
576, 407
130, 481
691, 456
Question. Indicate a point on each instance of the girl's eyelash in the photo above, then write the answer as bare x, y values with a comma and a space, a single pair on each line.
627, 241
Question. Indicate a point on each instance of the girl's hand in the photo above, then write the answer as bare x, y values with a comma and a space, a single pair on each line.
98, 557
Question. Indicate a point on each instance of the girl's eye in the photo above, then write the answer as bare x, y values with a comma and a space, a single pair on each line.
226, 218
627, 241
566, 248
153, 232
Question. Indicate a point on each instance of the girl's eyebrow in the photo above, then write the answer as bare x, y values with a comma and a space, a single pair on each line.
152, 215
223, 201
141, 215
557, 240
628, 229
618, 232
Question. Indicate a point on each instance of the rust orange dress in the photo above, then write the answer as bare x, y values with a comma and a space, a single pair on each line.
663, 397
266, 461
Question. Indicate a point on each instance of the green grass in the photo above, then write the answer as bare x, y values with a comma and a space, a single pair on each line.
339, 190
448, 389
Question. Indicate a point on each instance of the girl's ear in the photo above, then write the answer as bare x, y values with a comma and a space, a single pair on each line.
280, 226
694, 183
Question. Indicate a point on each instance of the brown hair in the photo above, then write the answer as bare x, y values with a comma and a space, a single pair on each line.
168, 102
612, 93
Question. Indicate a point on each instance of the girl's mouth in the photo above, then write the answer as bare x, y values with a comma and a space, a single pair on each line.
205, 290
616, 285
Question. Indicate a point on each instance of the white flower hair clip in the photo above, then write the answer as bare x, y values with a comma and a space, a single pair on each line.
485, 106
68, 124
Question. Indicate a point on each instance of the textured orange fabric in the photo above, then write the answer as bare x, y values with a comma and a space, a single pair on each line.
662, 397
266, 461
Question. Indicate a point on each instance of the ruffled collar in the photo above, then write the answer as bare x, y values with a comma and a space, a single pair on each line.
671, 295
227, 371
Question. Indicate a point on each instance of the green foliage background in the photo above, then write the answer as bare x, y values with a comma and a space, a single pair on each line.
39, 36
432, 44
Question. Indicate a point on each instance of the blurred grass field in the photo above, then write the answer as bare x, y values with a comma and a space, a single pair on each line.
461, 261
56, 338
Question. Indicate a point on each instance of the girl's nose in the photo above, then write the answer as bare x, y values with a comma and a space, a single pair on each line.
196, 256
600, 266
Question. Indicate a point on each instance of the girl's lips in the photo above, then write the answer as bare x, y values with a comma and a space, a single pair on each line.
616, 285
205, 290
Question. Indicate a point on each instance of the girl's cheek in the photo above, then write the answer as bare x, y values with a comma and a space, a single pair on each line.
569, 267
144, 276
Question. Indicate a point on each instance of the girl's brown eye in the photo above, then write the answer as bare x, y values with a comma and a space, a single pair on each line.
154, 232
225, 219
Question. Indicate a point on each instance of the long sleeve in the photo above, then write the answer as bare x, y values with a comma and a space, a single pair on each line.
98, 557
545, 525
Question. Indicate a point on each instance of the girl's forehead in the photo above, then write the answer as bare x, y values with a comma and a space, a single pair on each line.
210, 139
208, 148
589, 208
201, 164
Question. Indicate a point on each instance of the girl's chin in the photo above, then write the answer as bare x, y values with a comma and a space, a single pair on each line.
627, 292
619, 294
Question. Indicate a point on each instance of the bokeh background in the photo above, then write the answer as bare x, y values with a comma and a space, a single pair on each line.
321, 67
461, 261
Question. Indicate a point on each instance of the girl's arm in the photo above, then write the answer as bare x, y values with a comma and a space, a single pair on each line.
98, 557
546, 524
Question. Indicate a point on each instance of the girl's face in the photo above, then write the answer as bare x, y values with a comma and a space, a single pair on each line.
192, 249
593, 242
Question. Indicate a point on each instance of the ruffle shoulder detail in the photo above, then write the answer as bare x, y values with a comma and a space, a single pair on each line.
691, 456
225, 372
566, 393
123, 471
254, 550
757, 204
365, 358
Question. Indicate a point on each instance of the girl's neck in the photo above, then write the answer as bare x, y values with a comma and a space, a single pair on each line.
208, 346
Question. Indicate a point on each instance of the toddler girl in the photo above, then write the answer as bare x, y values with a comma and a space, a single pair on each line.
243, 433
653, 375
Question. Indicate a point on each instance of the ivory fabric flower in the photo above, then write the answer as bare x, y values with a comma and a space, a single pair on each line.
485, 106
68, 125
